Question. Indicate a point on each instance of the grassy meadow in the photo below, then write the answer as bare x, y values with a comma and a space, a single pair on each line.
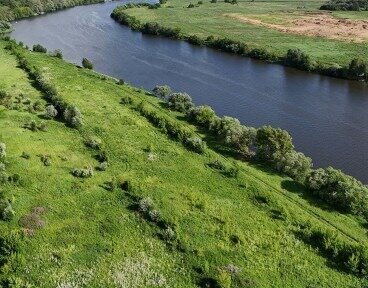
226, 20
76, 232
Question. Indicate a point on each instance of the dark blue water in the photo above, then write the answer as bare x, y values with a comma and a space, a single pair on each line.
328, 118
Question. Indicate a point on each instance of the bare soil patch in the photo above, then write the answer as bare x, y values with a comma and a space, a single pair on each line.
320, 24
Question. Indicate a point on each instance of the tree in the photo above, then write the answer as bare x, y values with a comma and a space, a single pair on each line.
295, 164
272, 143
162, 91
51, 112
358, 68
39, 48
180, 101
202, 115
73, 116
298, 59
87, 64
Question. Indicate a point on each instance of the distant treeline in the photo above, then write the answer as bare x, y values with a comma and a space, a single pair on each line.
16, 9
346, 5
356, 70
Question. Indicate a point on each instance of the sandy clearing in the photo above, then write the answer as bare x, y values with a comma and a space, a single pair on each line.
320, 24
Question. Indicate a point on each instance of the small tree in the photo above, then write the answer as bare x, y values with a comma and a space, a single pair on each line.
272, 143
51, 112
39, 48
180, 101
87, 64
295, 164
58, 54
202, 115
73, 116
162, 91
358, 68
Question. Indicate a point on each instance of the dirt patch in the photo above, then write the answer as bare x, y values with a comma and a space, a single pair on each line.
320, 24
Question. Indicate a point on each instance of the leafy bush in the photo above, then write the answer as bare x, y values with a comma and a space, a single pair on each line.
145, 205
202, 115
340, 190
358, 69
51, 112
350, 5
298, 59
87, 64
93, 142
195, 40
196, 144
57, 53
272, 143
295, 164
73, 116
46, 160
2, 151
102, 166
83, 172
162, 91
39, 48
6, 210
180, 101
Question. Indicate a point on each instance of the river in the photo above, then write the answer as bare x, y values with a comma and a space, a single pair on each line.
327, 117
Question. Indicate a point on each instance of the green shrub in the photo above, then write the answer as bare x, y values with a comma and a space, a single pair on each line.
180, 101
46, 160
87, 64
50, 112
39, 48
73, 116
298, 59
93, 142
2, 151
6, 210
25, 155
162, 92
83, 172
196, 144
103, 166
294, 164
57, 53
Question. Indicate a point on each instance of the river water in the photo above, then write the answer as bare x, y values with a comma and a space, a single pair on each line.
327, 118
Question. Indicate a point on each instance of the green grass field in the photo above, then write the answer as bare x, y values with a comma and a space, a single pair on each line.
90, 236
213, 19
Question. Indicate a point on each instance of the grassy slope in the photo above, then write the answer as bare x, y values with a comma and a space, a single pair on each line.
91, 234
208, 19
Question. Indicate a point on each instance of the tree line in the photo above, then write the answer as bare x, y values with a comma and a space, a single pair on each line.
16, 9
345, 5
356, 70
273, 147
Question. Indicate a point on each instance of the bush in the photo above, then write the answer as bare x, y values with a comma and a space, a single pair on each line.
196, 144
6, 210
202, 115
358, 69
298, 59
162, 91
50, 112
195, 40
93, 142
73, 116
339, 190
294, 164
350, 5
272, 143
58, 54
87, 64
102, 166
2, 167
83, 173
46, 160
191, 5
39, 48
2, 151
180, 101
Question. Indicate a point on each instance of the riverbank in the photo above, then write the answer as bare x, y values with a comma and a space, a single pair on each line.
156, 207
250, 29
17, 10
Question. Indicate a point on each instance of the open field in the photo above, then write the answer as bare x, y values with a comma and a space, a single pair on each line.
327, 37
84, 233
